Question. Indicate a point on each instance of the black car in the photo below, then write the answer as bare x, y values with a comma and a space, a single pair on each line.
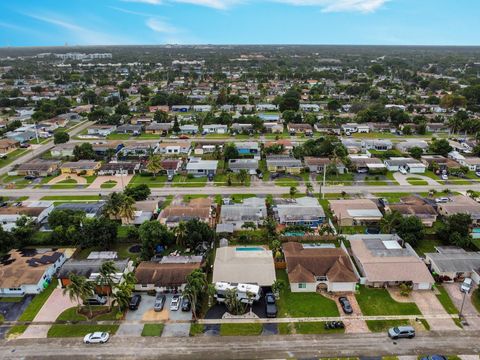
186, 306
134, 302
347, 308
270, 306
30, 177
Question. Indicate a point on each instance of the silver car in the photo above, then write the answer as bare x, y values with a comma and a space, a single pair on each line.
401, 332
159, 302
96, 338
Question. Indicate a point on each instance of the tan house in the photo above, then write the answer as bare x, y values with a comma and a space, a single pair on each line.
284, 163
415, 206
38, 167
81, 167
310, 268
200, 209
7, 145
355, 212
460, 204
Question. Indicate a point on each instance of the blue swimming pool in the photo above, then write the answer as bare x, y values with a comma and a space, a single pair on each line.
249, 249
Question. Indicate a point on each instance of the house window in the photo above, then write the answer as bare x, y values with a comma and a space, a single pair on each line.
302, 285
321, 278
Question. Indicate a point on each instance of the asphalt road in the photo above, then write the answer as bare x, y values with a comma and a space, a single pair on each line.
258, 347
257, 189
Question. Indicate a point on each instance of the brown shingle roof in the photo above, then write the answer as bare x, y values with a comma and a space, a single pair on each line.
150, 272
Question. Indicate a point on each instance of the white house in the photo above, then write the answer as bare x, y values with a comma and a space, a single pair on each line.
215, 129
198, 167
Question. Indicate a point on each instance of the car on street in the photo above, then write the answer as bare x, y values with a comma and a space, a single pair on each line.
97, 337
442, 200
434, 357
346, 306
398, 332
95, 300
159, 303
175, 303
186, 306
270, 305
466, 285
135, 302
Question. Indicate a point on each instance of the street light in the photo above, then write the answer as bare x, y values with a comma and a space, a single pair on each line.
460, 315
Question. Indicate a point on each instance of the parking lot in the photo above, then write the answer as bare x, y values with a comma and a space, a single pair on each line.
145, 312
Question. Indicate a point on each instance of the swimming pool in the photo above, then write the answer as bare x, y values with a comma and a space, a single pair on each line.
249, 249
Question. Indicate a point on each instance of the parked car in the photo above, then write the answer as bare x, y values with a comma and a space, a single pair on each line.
30, 177
175, 303
466, 285
477, 173
434, 357
170, 177
270, 306
444, 177
346, 306
442, 200
402, 170
401, 332
159, 302
186, 306
210, 177
24, 145
96, 300
135, 302
97, 337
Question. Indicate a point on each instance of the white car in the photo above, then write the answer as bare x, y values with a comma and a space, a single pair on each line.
96, 338
175, 303
466, 285
444, 177
402, 171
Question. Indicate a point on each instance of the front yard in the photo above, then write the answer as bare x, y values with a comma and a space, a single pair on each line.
379, 302
185, 181
306, 328
306, 304
249, 329
64, 330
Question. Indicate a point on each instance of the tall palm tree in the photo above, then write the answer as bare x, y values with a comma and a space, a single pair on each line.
122, 295
390, 221
76, 289
113, 204
154, 164
127, 208
196, 285
181, 233
106, 278
242, 176
293, 191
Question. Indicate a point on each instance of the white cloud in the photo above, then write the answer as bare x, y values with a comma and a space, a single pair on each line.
161, 26
151, 2
216, 4
364, 6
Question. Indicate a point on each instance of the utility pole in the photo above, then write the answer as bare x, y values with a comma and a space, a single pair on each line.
460, 314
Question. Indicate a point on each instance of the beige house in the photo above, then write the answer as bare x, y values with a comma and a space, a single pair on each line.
355, 212
460, 204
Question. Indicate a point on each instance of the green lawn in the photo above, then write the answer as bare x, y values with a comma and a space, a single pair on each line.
19, 181
384, 325
11, 299
11, 156
16, 330
298, 304
286, 182
118, 137
222, 180
185, 181
338, 179
153, 182
251, 329
379, 302
108, 184
75, 330
306, 328
196, 329
38, 301
238, 198
71, 314
187, 198
395, 197
152, 329
446, 301
262, 166
416, 181
426, 246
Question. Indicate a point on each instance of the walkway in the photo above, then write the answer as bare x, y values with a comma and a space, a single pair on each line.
53, 307
429, 304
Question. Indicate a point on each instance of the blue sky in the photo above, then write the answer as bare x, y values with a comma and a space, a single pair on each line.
106, 22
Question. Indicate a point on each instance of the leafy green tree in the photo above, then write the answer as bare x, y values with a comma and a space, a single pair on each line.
198, 232
138, 192
154, 164
160, 116
230, 152
23, 231
416, 152
100, 231
151, 234
60, 137
176, 126
411, 229
195, 287
79, 289
233, 303
440, 147
242, 176
390, 222
84, 152
455, 230
290, 100
293, 191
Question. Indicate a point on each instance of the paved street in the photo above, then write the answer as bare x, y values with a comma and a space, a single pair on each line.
260, 347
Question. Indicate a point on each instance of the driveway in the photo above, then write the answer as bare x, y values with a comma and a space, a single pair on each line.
469, 311
122, 181
352, 325
402, 179
429, 304
173, 329
80, 180
146, 305
53, 307
11, 311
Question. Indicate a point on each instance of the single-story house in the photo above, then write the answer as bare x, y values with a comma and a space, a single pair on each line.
365, 163
250, 210
180, 108
411, 165
215, 129
355, 128
317, 164
171, 166
38, 167
130, 129
354, 212
91, 210
168, 148
101, 130
460, 204
202, 108
202, 148
472, 162
198, 167
10, 214
305, 211
311, 267
310, 107
248, 148
415, 206
28, 272
189, 129
405, 146
158, 128
237, 264
141, 120
386, 260
240, 128
378, 145
200, 209
119, 168
293, 128
442, 162
81, 167
284, 163
169, 274
453, 262
266, 107
7, 145
273, 127
250, 165
137, 149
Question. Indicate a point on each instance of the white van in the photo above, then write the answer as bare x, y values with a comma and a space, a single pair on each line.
466, 285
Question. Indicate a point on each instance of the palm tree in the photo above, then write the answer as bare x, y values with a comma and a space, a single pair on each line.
390, 221
242, 176
278, 286
154, 165
192, 295
196, 285
122, 295
181, 233
127, 208
113, 205
233, 303
293, 191
106, 278
309, 188
76, 289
